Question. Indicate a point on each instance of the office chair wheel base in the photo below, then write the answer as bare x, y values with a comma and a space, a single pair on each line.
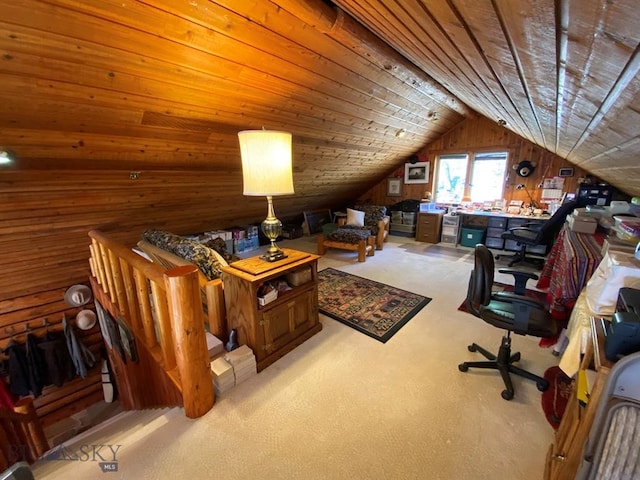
463, 367
507, 395
472, 348
542, 385
515, 357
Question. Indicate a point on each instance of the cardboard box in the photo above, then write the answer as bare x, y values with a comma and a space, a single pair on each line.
267, 298
582, 224
299, 276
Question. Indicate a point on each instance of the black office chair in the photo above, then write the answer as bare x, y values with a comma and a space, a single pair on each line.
540, 234
511, 311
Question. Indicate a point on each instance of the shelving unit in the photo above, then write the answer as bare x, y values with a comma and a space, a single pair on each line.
278, 327
496, 226
403, 223
450, 229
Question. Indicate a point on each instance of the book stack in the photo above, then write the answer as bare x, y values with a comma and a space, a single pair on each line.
243, 361
223, 377
214, 345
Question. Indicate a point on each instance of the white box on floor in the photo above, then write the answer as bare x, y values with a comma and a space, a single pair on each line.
214, 345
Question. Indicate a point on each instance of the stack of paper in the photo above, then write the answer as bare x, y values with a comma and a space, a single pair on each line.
243, 361
223, 377
214, 345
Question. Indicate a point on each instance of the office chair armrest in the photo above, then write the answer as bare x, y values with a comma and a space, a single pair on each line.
520, 277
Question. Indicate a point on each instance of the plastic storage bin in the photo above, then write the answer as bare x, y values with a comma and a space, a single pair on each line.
470, 237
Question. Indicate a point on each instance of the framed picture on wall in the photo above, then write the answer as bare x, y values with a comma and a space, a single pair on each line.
394, 187
416, 172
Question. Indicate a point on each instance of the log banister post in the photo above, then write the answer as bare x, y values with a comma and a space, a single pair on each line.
192, 356
163, 321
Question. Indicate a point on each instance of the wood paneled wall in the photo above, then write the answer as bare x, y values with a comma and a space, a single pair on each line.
482, 134
38, 314
45, 216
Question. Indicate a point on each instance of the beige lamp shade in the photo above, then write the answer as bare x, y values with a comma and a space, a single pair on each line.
266, 162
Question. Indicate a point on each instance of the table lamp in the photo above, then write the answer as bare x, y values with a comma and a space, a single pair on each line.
266, 171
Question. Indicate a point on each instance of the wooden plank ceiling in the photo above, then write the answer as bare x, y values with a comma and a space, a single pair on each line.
562, 74
140, 85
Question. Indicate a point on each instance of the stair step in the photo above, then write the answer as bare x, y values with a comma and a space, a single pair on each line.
125, 428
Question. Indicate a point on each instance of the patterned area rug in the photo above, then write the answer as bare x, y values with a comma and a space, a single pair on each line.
373, 308
555, 398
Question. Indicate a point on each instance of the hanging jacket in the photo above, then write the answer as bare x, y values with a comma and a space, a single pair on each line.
36, 366
18, 368
81, 356
60, 367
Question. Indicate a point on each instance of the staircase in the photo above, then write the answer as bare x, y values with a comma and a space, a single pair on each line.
97, 449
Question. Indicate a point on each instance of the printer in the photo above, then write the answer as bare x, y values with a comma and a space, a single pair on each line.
623, 332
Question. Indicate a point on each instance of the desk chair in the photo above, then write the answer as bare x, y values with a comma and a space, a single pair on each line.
544, 234
510, 311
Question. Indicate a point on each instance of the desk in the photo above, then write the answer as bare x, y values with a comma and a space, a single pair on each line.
570, 263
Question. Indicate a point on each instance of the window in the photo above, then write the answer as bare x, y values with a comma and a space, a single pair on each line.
485, 169
451, 178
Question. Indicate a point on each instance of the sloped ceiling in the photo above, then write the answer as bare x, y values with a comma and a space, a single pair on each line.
562, 74
167, 84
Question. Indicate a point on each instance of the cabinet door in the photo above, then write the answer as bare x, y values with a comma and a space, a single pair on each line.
287, 320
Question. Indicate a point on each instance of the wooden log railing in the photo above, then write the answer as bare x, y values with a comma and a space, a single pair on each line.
21, 434
163, 309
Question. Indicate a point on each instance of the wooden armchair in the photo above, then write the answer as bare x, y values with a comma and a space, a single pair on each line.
375, 219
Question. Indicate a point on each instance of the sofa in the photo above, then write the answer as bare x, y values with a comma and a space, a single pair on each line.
209, 256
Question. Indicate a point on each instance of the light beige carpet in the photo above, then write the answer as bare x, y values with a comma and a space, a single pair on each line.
344, 406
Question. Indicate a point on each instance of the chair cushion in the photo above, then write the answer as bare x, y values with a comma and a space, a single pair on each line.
348, 235
355, 218
501, 314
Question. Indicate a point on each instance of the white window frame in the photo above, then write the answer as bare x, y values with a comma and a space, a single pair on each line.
471, 162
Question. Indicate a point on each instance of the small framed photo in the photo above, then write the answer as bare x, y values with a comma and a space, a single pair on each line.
416, 172
566, 172
394, 187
